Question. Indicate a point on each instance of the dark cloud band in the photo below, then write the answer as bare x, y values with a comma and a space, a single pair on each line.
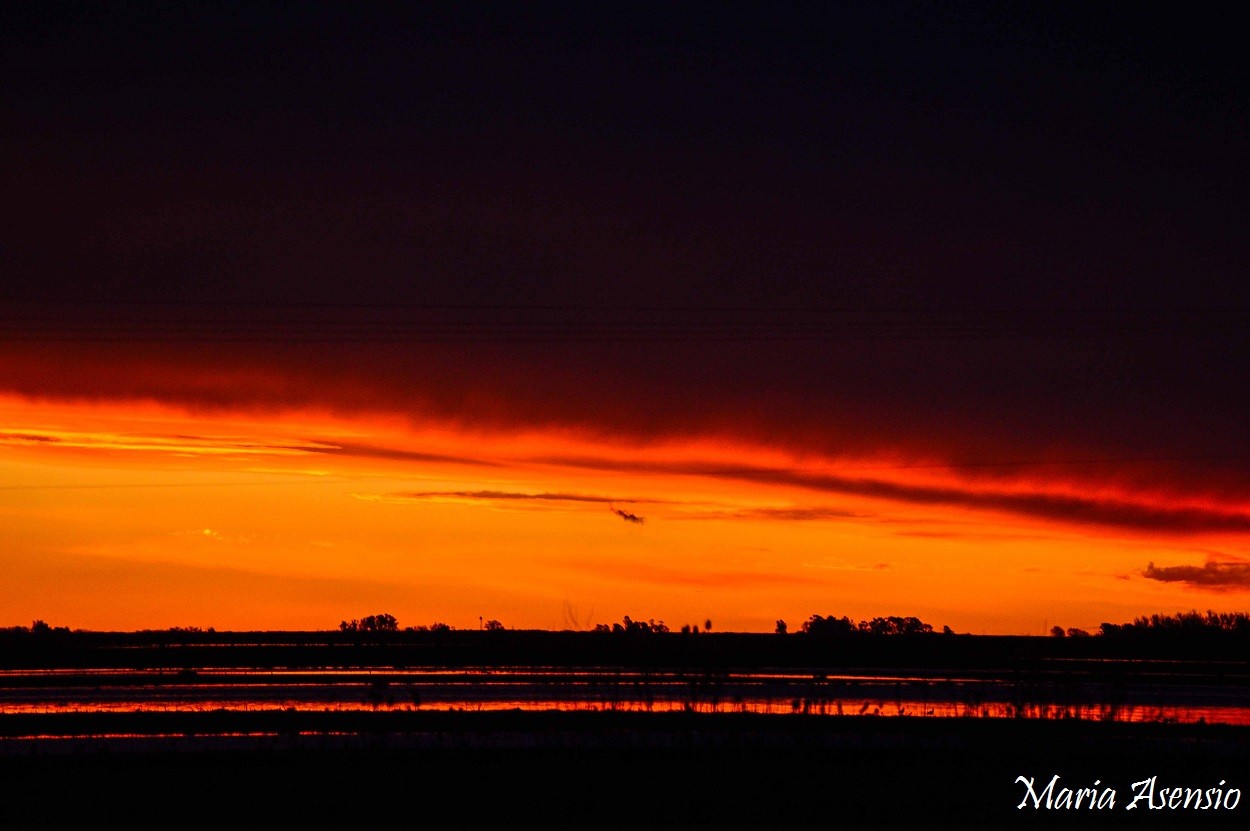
1213, 575
1118, 513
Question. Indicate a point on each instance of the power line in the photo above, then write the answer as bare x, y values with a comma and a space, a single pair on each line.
551, 331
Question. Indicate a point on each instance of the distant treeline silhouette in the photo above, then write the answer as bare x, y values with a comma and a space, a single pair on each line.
37, 627
628, 626
893, 625
815, 625
388, 623
1181, 624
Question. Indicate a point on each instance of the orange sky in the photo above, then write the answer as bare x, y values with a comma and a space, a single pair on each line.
920, 314
125, 515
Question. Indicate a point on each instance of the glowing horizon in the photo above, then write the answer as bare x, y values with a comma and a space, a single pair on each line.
126, 514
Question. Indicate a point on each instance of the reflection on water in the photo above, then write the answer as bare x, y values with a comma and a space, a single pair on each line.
1044, 697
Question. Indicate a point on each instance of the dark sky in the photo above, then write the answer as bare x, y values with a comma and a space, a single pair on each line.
1004, 233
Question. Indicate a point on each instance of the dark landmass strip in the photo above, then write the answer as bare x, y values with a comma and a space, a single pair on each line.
1223, 654
578, 770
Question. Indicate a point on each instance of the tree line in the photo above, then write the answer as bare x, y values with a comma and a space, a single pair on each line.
1180, 624
820, 625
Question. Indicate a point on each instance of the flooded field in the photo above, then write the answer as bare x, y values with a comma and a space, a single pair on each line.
720, 742
1141, 698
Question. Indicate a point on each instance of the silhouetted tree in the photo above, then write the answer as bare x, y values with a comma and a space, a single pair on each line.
629, 626
895, 626
817, 625
493, 626
42, 629
372, 623
380, 623
781, 627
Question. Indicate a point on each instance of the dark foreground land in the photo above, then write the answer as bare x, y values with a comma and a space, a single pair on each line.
1224, 654
603, 769
437, 768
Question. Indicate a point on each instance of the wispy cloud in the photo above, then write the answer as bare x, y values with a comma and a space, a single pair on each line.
8, 437
493, 495
1125, 510
373, 451
510, 496
179, 444
1143, 515
782, 514
1213, 575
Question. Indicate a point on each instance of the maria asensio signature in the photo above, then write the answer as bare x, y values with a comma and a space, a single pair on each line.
1146, 794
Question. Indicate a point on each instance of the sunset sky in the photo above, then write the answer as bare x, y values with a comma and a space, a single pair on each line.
559, 316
